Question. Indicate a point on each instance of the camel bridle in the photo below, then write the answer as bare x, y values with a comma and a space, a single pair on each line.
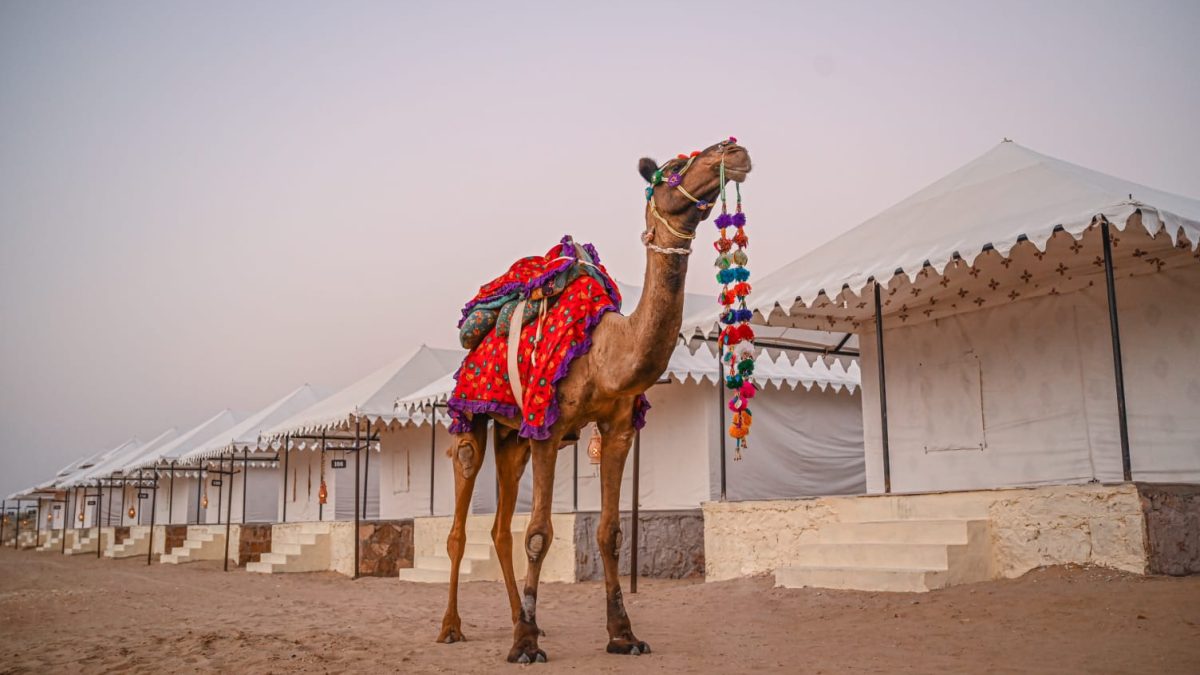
675, 180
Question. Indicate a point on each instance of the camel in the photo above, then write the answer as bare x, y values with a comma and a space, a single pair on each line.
628, 355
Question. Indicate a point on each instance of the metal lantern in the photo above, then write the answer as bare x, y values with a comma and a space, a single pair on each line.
132, 512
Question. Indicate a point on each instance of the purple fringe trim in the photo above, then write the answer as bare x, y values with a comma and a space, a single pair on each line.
640, 407
527, 287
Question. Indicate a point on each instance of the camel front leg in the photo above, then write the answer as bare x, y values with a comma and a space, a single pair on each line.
614, 448
467, 451
512, 454
538, 536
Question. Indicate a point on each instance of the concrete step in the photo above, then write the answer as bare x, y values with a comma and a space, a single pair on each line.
879, 579
875, 556
262, 568
468, 566
902, 532
425, 576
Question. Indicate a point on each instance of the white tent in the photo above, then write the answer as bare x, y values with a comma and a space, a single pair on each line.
244, 441
993, 297
807, 439
329, 424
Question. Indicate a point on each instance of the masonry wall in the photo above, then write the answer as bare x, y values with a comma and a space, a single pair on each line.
1172, 528
670, 545
385, 547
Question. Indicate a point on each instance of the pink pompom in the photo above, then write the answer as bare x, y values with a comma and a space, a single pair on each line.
732, 139
748, 390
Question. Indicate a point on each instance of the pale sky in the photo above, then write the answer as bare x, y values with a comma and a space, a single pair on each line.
205, 205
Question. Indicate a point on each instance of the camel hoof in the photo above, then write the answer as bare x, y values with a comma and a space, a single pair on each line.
526, 657
631, 647
450, 635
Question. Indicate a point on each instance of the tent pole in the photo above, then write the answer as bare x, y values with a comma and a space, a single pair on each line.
99, 532
721, 413
199, 489
575, 480
122, 520
3, 515
633, 542
245, 480
108, 516
66, 512
37, 526
366, 466
171, 496
17, 537
221, 491
357, 452
287, 441
883, 421
432, 451
228, 508
153, 509
320, 506
1118, 369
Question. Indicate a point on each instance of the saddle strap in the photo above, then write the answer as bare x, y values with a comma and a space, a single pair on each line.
514, 346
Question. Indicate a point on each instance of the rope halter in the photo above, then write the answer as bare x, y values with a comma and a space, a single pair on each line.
675, 180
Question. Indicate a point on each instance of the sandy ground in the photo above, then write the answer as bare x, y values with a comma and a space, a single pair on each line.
80, 614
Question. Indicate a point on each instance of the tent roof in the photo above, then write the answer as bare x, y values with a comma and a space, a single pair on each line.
213, 428
1008, 195
117, 460
374, 396
247, 433
85, 467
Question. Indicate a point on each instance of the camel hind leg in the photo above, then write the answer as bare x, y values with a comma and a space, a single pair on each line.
512, 454
467, 451
538, 536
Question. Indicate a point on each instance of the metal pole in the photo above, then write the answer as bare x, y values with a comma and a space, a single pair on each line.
575, 480
199, 489
633, 543
432, 452
66, 512
721, 412
221, 490
1118, 369
108, 516
122, 520
17, 540
228, 507
287, 440
320, 506
37, 526
357, 452
883, 421
245, 481
171, 495
3, 515
153, 509
366, 466
99, 532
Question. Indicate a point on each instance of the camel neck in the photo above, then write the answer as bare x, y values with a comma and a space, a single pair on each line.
655, 322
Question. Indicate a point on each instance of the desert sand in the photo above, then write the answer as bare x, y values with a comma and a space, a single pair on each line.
80, 614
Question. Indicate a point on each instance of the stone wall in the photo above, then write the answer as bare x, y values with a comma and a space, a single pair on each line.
254, 539
119, 534
385, 546
174, 536
670, 545
1172, 528
1030, 527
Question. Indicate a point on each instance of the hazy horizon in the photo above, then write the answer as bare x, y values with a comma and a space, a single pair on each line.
204, 206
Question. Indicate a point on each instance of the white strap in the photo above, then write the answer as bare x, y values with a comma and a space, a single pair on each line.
514, 345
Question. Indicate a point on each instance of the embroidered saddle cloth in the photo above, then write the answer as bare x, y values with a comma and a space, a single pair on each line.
562, 297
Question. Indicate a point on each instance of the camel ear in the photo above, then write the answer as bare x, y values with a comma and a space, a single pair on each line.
647, 167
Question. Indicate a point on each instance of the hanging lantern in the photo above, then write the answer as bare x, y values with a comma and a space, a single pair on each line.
132, 512
81, 516
49, 517
323, 493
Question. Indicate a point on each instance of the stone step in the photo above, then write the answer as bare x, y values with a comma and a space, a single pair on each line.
903, 532
425, 576
875, 556
261, 567
879, 579
963, 506
468, 566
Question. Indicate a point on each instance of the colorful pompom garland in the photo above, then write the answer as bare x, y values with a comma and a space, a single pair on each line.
737, 338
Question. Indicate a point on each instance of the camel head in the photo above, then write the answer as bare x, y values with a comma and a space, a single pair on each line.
687, 187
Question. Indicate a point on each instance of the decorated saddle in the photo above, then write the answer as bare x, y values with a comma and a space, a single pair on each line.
524, 329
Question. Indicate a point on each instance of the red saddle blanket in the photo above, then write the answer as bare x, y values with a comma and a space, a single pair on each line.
543, 359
